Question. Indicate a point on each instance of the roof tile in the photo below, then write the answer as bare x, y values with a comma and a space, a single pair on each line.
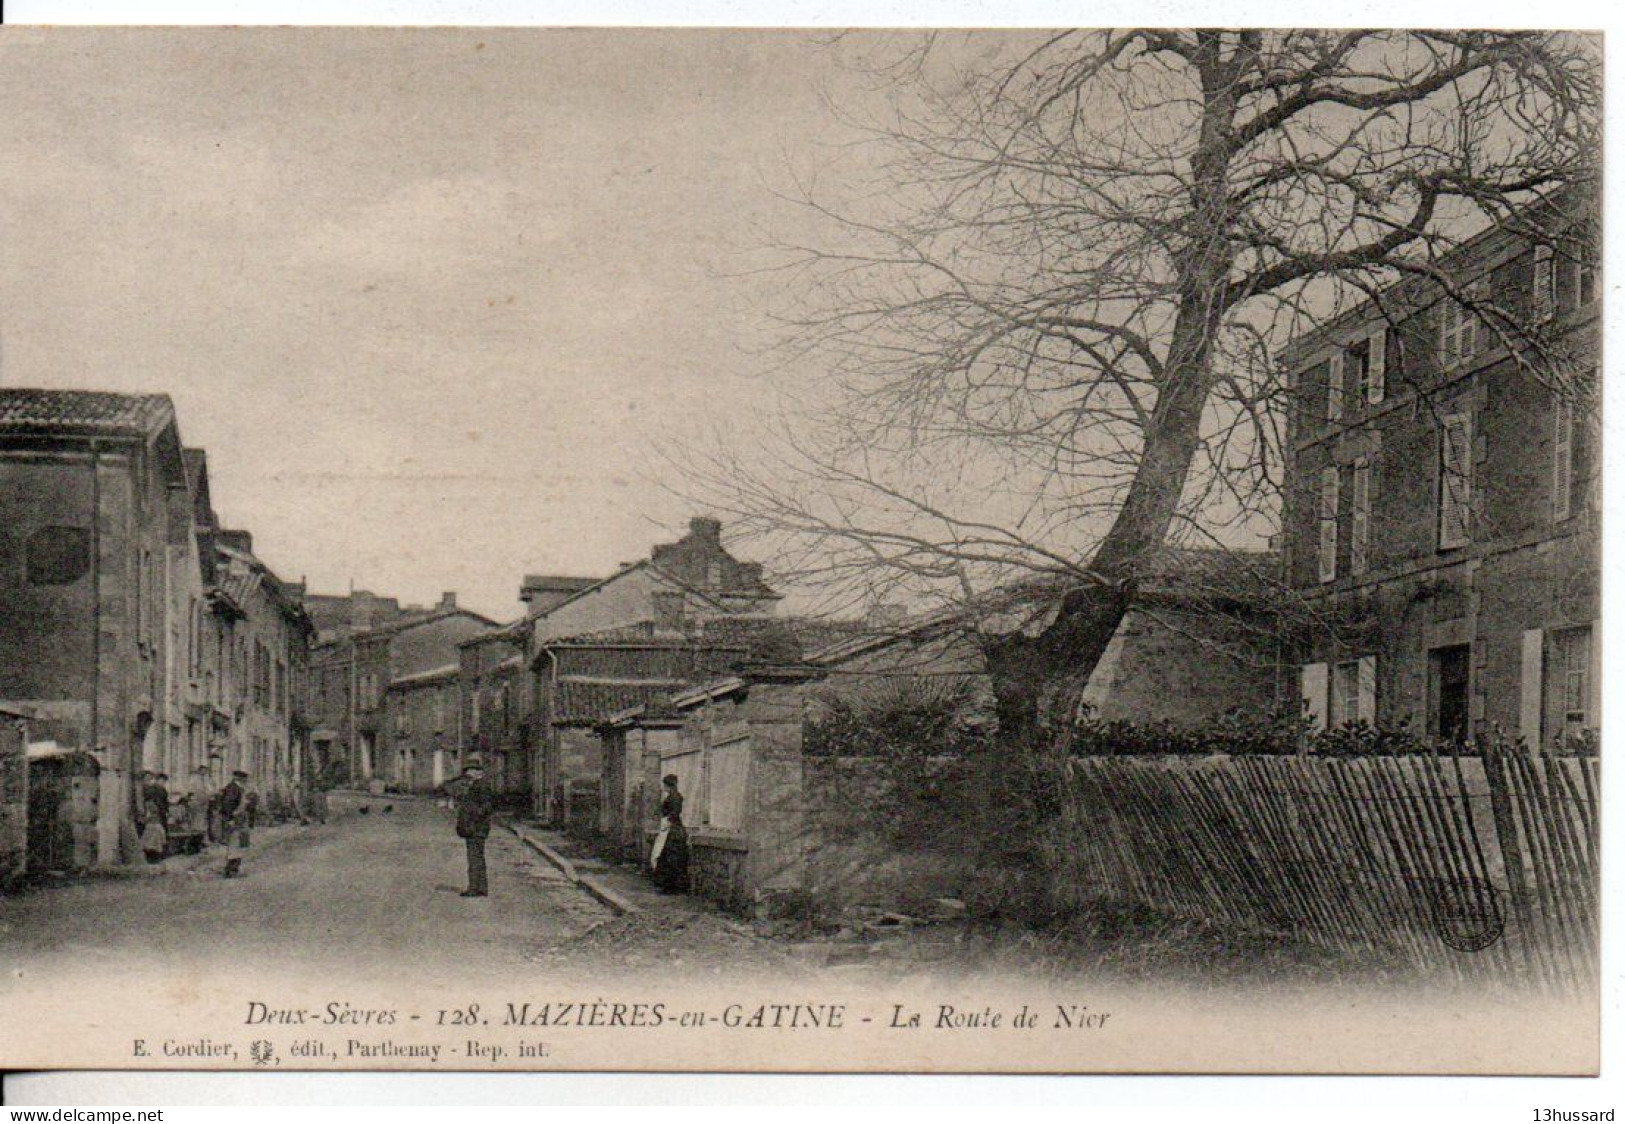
97, 410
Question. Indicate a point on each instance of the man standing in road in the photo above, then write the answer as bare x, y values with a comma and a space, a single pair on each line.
233, 818
474, 804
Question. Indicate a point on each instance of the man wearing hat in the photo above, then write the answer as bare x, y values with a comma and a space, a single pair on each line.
474, 804
233, 815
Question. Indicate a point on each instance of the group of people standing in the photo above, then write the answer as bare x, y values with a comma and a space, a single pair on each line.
475, 802
232, 812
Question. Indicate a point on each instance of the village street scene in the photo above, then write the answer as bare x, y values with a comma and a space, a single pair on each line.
1131, 513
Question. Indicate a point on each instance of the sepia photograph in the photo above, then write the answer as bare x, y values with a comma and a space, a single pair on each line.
707, 549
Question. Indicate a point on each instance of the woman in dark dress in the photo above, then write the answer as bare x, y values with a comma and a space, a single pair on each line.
669, 859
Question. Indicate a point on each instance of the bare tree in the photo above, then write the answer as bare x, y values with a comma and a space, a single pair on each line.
1041, 339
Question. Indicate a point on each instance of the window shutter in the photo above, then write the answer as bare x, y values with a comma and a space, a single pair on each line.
1360, 523
1334, 387
1448, 355
1314, 687
1455, 481
1376, 386
1562, 458
1529, 683
1328, 523
1366, 710
1545, 302
1594, 678
1478, 291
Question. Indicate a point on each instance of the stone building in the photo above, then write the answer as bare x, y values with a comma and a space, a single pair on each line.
364, 646
132, 624
494, 701
679, 584
420, 735
1442, 500
583, 680
338, 615
382, 656
92, 492
774, 812
617, 643
261, 636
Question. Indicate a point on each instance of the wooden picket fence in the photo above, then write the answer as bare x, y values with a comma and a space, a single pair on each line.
1470, 866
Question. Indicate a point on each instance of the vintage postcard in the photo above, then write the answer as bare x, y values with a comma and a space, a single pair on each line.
634, 549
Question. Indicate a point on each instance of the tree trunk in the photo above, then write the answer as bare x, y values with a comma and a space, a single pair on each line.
1069, 651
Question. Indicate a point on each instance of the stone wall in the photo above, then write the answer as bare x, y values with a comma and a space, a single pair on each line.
1175, 664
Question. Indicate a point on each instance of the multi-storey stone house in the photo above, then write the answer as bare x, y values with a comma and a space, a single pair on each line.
398, 654
364, 643
134, 632
1442, 501
261, 634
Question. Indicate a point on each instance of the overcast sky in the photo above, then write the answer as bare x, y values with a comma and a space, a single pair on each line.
426, 297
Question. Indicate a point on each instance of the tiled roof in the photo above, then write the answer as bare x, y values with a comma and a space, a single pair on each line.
638, 633
94, 411
413, 618
557, 583
511, 633
589, 703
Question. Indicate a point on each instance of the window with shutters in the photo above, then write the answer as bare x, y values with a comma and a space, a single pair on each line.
1458, 334
1585, 283
1544, 298
1375, 387
1360, 516
1562, 458
1570, 677
1353, 696
1329, 497
1449, 678
1345, 692
1579, 288
1334, 387
1455, 481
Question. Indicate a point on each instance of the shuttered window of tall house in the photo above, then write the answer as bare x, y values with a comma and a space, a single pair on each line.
1562, 457
1376, 377
1360, 517
1455, 481
1334, 387
1544, 297
1585, 283
1329, 497
1458, 334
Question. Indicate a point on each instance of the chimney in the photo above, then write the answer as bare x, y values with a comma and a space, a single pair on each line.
705, 529
361, 610
448, 600
542, 592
